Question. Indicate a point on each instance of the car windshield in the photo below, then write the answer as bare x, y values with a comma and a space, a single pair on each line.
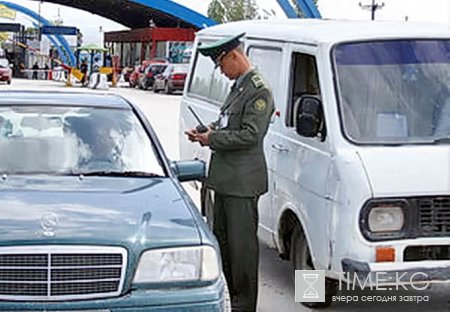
4, 63
74, 140
394, 91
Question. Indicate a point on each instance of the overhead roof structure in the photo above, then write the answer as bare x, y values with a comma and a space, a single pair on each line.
140, 13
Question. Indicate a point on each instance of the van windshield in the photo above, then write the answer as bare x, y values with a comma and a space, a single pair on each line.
395, 91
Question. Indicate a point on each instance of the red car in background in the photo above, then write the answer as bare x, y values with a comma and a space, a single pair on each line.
147, 80
5, 71
171, 79
137, 75
133, 78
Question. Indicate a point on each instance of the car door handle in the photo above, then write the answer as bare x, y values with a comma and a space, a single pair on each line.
280, 147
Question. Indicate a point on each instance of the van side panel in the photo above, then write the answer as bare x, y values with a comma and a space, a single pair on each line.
270, 60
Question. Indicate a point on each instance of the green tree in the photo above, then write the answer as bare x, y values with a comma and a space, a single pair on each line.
224, 11
216, 11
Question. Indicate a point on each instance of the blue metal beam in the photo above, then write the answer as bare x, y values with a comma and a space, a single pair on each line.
43, 21
287, 8
174, 9
308, 8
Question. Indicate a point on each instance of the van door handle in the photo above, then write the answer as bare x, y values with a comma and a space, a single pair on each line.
280, 147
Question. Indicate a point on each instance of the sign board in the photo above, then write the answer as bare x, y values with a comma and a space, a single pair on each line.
6, 12
59, 30
9, 27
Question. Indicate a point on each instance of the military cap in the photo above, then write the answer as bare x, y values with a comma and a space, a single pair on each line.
221, 47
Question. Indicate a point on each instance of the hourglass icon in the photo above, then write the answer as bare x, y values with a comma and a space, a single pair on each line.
310, 292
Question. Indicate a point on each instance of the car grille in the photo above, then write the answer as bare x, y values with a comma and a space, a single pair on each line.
434, 217
424, 253
61, 272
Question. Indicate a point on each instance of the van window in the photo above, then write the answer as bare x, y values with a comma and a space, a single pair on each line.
395, 91
305, 81
207, 81
267, 60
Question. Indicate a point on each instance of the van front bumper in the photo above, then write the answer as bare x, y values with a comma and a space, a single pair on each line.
197, 299
395, 273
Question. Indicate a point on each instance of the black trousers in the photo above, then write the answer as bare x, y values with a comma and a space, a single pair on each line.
235, 226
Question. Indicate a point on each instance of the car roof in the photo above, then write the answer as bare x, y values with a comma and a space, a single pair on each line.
63, 98
319, 31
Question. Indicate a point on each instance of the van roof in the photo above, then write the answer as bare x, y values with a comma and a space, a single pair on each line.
328, 31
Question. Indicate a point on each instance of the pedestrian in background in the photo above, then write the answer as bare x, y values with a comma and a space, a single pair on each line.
84, 70
238, 170
46, 71
35, 70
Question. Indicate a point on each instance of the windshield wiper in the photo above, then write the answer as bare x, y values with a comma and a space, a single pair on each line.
443, 140
118, 174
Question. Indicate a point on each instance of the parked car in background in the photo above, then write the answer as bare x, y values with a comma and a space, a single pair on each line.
171, 79
97, 219
133, 78
148, 78
138, 73
126, 72
5, 71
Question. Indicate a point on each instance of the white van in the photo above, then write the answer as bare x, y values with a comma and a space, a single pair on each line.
359, 147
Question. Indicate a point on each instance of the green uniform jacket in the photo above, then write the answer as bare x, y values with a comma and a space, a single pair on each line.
238, 165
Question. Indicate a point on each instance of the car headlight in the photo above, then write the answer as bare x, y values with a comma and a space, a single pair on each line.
386, 219
177, 265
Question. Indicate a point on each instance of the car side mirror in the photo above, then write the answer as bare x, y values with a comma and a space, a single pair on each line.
309, 118
189, 170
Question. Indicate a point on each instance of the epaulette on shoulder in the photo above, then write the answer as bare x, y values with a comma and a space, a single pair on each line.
258, 81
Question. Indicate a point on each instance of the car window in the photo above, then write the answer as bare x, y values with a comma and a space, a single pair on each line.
4, 63
168, 70
55, 139
158, 69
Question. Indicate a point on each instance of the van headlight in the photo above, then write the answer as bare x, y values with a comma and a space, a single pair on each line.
383, 219
179, 264
386, 219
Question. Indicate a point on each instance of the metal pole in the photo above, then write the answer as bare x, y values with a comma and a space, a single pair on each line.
374, 8
39, 30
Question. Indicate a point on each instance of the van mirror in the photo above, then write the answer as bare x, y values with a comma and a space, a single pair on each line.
308, 116
189, 170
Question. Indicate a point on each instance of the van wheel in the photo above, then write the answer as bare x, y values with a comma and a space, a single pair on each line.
301, 260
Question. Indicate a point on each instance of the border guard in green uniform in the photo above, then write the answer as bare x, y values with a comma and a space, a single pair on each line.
238, 170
